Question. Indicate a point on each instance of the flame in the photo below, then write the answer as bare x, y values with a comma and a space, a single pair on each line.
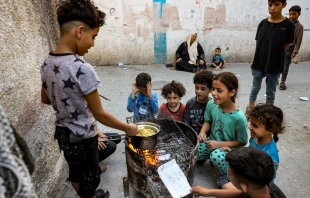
150, 156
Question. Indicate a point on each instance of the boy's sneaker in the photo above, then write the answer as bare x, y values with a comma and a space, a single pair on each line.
102, 193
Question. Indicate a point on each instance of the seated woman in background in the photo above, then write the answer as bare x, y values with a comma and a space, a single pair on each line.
189, 55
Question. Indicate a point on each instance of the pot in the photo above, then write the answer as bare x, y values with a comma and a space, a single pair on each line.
141, 142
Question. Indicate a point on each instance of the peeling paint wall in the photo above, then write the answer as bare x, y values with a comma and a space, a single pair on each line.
23, 46
149, 31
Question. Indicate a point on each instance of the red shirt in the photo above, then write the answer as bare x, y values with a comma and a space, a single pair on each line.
178, 115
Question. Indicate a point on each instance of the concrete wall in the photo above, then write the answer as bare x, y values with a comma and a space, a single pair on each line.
23, 46
149, 31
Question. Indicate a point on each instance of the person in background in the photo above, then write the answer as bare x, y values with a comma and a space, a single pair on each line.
273, 37
218, 60
195, 107
294, 47
251, 171
142, 101
16, 162
70, 85
190, 55
173, 92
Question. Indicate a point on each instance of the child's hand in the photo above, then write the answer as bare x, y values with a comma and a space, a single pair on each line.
101, 145
149, 89
201, 62
226, 148
134, 88
293, 55
132, 130
198, 190
212, 144
179, 59
202, 137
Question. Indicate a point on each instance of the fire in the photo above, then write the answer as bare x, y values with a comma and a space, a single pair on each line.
150, 156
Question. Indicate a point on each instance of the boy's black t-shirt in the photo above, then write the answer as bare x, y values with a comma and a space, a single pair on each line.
270, 40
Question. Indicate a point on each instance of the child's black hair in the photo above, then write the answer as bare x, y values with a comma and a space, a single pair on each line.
251, 164
270, 116
273, 1
142, 79
230, 81
80, 10
173, 87
204, 77
218, 48
295, 8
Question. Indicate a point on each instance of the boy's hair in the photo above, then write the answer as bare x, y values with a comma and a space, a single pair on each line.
230, 81
295, 8
79, 11
251, 164
218, 48
270, 116
142, 79
173, 87
273, 1
204, 77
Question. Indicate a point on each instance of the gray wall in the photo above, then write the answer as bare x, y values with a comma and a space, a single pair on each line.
23, 46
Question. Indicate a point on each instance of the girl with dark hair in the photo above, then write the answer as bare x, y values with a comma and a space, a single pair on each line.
226, 121
265, 125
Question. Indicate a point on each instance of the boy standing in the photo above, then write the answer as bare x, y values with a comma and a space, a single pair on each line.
218, 60
142, 101
273, 38
294, 47
251, 171
70, 85
195, 107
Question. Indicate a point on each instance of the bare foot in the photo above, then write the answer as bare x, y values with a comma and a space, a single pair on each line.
103, 169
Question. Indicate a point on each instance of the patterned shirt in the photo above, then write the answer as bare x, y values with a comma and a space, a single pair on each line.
66, 80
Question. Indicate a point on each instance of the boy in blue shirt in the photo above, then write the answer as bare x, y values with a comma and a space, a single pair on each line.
142, 101
218, 60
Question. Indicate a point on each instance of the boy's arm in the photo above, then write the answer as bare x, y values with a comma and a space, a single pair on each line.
44, 97
299, 34
228, 193
286, 46
105, 117
154, 103
131, 104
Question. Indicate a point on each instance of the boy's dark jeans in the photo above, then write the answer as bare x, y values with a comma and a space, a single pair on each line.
83, 160
287, 62
271, 84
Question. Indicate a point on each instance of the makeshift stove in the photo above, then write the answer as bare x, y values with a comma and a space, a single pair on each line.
176, 140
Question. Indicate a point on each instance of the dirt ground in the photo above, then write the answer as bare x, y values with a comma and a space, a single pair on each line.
293, 175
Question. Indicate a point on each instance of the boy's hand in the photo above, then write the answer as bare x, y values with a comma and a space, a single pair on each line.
202, 137
179, 59
293, 55
149, 90
131, 130
201, 62
134, 90
198, 190
101, 145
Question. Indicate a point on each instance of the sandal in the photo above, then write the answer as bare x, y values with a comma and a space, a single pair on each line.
102, 193
282, 86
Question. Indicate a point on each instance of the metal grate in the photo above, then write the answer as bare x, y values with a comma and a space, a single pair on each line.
171, 140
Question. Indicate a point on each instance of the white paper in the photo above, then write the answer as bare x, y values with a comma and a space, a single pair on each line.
304, 98
164, 157
174, 179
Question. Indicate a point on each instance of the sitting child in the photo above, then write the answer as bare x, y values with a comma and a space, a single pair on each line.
227, 123
195, 107
251, 171
142, 101
173, 92
218, 60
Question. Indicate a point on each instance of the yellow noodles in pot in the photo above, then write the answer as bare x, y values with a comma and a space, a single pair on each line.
143, 132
